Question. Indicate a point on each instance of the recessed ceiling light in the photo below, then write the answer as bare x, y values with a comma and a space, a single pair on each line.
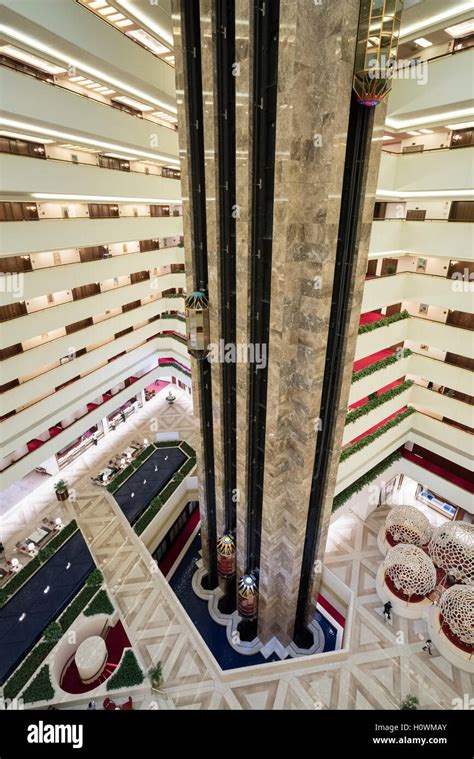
85, 82
148, 41
133, 103
107, 10
95, 143
438, 18
422, 42
426, 131
77, 79
97, 4
148, 21
125, 22
116, 17
105, 91
395, 123
460, 30
463, 125
19, 136
387, 137
413, 133
33, 60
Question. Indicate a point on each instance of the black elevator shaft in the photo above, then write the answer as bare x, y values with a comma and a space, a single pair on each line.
357, 148
190, 12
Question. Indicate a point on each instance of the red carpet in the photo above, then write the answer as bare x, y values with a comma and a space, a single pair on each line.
398, 593
116, 640
454, 638
369, 317
363, 401
167, 561
430, 466
335, 614
376, 426
372, 359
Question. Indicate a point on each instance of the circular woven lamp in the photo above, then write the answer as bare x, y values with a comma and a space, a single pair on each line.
410, 569
452, 548
407, 524
457, 608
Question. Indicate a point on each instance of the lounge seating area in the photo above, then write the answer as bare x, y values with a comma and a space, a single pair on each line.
119, 463
28, 547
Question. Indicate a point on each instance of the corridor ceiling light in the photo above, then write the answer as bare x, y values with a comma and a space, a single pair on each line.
420, 121
125, 22
107, 10
148, 41
413, 133
33, 60
463, 125
101, 75
97, 4
460, 30
102, 198
116, 17
87, 141
437, 18
147, 21
18, 136
388, 137
422, 42
426, 131
77, 79
117, 155
426, 194
133, 103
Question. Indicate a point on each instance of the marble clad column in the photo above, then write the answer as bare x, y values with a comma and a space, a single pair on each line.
183, 134
243, 181
315, 68
352, 320
208, 65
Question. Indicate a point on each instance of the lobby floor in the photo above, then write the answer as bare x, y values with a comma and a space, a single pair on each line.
385, 662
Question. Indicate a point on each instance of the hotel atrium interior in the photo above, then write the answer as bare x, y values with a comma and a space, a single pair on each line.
237, 276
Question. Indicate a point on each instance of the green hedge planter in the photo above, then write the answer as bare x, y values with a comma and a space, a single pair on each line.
100, 604
363, 481
128, 674
40, 689
379, 400
382, 364
383, 322
158, 502
19, 579
368, 439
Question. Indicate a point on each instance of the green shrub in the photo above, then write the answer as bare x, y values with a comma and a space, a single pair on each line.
40, 689
78, 604
100, 604
53, 632
143, 456
379, 400
21, 577
188, 449
384, 322
95, 578
368, 439
366, 479
27, 668
128, 673
409, 703
382, 364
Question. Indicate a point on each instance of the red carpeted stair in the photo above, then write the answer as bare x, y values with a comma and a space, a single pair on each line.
116, 641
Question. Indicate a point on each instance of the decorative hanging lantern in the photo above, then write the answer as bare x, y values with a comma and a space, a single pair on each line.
248, 596
197, 324
407, 524
226, 556
376, 51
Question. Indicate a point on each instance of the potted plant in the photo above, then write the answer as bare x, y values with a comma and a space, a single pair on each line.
390, 269
156, 676
409, 703
62, 493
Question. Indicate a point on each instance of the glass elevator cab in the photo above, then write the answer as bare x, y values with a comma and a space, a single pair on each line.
376, 51
197, 324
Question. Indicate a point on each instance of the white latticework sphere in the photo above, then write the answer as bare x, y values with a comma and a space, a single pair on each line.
457, 608
408, 524
452, 548
410, 569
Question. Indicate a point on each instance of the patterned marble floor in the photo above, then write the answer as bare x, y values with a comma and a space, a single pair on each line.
386, 661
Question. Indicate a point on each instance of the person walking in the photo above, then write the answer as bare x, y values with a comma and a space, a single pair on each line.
387, 608
427, 647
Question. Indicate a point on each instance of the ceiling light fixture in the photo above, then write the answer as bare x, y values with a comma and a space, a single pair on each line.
48, 50
413, 133
438, 18
150, 42
21, 55
462, 29
86, 141
147, 21
401, 124
18, 136
422, 42
462, 125
125, 22
426, 194
426, 131
102, 198
132, 103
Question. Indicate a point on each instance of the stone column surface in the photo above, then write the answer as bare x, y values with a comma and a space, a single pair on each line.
315, 67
